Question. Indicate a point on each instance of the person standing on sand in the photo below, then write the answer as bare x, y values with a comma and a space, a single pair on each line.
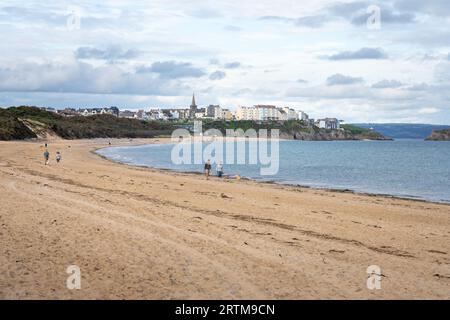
207, 169
46, 157
219, 169
58, 156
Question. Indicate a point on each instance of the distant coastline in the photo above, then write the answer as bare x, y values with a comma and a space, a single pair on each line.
403, 130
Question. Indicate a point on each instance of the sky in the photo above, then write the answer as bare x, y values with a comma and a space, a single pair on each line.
359, 61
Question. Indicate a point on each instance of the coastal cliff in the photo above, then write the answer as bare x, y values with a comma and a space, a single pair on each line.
298, 130
30, 123
21, 123
347, 132
440, 135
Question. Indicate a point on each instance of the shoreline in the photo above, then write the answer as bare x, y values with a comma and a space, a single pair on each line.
142, 233
271, 182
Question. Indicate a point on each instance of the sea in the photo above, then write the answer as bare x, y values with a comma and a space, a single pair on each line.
413, 169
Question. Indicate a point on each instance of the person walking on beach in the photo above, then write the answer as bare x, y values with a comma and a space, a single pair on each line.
46, 157
219, 169
207, 169
58, 156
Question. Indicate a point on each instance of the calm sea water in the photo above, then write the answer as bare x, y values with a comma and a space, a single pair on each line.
405, 168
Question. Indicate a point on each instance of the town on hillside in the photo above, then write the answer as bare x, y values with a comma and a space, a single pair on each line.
260, 113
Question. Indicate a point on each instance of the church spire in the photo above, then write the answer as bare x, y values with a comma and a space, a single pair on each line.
193, 100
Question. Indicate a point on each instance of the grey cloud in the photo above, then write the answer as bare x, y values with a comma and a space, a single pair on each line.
217, 75
109, 53
329, 92
419, 87
340, 79
356, 13
363, 53
306, 21
32, 14
232, 65
311, 21
277, 18
433, 7
80, 77
16, 11
214, 61
347, 10
173, 70
302, 81
387, 84
387, 16
360, 92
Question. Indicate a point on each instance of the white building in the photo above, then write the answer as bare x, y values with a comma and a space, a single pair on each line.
227, 115
329, 123
303, 116
266, 113
282, 115
200, 113
247, 113
94, 111
48, 109
218, 113
127, 114
141, 115
291, 114
175, 115
156, 114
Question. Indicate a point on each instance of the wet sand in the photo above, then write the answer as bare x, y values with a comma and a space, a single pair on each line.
140, 233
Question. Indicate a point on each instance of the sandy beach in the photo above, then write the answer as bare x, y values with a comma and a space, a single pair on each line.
139, 233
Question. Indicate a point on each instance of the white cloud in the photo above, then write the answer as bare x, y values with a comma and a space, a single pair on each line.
428, 110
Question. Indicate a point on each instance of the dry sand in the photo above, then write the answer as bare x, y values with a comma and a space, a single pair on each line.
145, 234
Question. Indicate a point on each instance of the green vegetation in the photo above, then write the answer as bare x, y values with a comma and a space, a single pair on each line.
294, 128
358, 131
355, 130
15, 123
283, 126
11, 128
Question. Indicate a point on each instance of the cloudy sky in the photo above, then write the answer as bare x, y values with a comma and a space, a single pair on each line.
328, 58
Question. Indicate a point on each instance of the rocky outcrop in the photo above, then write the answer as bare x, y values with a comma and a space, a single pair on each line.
440, 135
316, 134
